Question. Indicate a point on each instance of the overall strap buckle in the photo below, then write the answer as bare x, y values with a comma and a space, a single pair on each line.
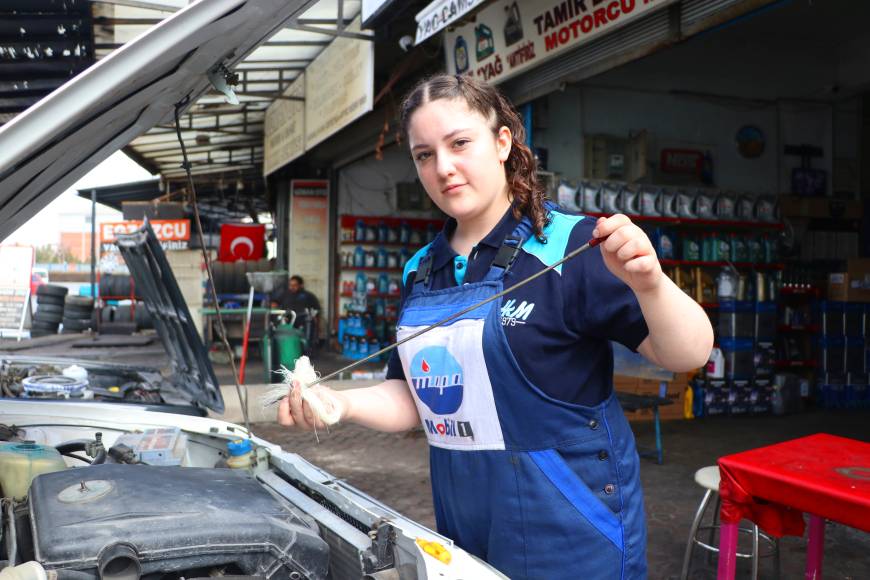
423, 270
508, 252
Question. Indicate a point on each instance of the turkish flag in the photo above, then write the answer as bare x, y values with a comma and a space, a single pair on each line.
241, 242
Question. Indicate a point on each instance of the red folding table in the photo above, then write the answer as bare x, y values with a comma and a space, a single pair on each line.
822, 475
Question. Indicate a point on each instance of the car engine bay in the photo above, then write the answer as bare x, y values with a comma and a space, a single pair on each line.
49, 379
162, 503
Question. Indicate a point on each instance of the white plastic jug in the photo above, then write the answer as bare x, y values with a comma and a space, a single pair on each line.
725, 206
704, 202
591, 195
651, 201
669, 203
716, 364
629, 201
745, 209
686, 204
765, 208
610, 194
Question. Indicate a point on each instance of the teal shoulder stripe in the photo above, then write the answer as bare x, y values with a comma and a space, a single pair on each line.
558, 232
414, 262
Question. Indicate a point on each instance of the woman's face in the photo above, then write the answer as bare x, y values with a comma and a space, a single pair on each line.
459, 159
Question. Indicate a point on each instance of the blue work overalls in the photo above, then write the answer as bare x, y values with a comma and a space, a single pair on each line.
537, 487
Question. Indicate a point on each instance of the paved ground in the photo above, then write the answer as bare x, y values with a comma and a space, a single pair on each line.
394, 468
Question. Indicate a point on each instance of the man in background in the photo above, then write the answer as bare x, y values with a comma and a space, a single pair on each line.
305, 304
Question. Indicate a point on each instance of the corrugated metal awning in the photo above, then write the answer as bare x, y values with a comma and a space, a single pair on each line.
224, 141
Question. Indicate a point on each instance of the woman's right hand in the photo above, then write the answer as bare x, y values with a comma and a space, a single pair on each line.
296, 413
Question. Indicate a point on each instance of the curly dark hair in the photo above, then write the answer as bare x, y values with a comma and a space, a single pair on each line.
527, 195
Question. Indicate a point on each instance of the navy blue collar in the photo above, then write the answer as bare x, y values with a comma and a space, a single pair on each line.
443, 254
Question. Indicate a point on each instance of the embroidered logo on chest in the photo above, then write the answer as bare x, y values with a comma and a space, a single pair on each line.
513, 313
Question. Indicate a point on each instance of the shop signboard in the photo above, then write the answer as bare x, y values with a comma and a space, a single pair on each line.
172, 234
339, 86
508, 37
284, 127
15, 288
309, 236
440, 14
687, 161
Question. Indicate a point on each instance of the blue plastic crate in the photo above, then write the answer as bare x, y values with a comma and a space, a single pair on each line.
765, 321
831, 317
855, 319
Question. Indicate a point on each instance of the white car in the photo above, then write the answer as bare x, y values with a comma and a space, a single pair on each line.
112, 471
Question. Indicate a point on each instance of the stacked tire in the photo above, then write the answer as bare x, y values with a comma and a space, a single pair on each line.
116, 286
49, 310
78, 314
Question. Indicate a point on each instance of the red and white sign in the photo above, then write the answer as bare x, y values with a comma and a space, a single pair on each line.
165, 230
688, 161
172, 234
242, 242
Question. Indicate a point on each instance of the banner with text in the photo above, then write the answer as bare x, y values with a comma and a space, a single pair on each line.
309, 238
15, 276
172, 234
339, 86
284, 128
509, 37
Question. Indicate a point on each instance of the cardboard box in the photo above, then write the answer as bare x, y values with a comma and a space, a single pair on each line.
838, 286
852, 285
820, 207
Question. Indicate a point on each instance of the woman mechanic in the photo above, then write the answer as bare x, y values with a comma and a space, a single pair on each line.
533, 464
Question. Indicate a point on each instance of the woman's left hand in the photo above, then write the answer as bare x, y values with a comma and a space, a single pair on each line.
628, 253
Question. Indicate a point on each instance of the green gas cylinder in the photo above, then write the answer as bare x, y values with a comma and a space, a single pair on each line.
289, 345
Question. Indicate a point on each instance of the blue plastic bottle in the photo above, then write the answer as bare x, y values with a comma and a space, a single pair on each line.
359, 257
382, 257
404, 256
360, 232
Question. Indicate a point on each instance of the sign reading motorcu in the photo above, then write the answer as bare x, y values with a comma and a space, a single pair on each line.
172, 234
508, 37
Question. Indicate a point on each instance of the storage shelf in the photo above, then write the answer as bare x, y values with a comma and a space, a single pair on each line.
364, 269
800, 290
696, 221
794, 364
755, 265
801, 328
384, 244
374, 295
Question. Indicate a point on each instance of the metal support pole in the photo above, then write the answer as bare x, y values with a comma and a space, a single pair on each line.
93, 243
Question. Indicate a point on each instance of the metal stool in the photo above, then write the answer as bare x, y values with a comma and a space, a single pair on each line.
708, 478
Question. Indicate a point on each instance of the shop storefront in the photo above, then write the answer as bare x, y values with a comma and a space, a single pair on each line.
735, 141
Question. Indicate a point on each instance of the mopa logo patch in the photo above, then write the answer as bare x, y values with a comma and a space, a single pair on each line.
437, 380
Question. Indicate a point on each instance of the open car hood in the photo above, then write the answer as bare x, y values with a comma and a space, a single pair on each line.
192, 372
49, 147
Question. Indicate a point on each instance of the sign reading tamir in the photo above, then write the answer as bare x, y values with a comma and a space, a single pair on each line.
508, 37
